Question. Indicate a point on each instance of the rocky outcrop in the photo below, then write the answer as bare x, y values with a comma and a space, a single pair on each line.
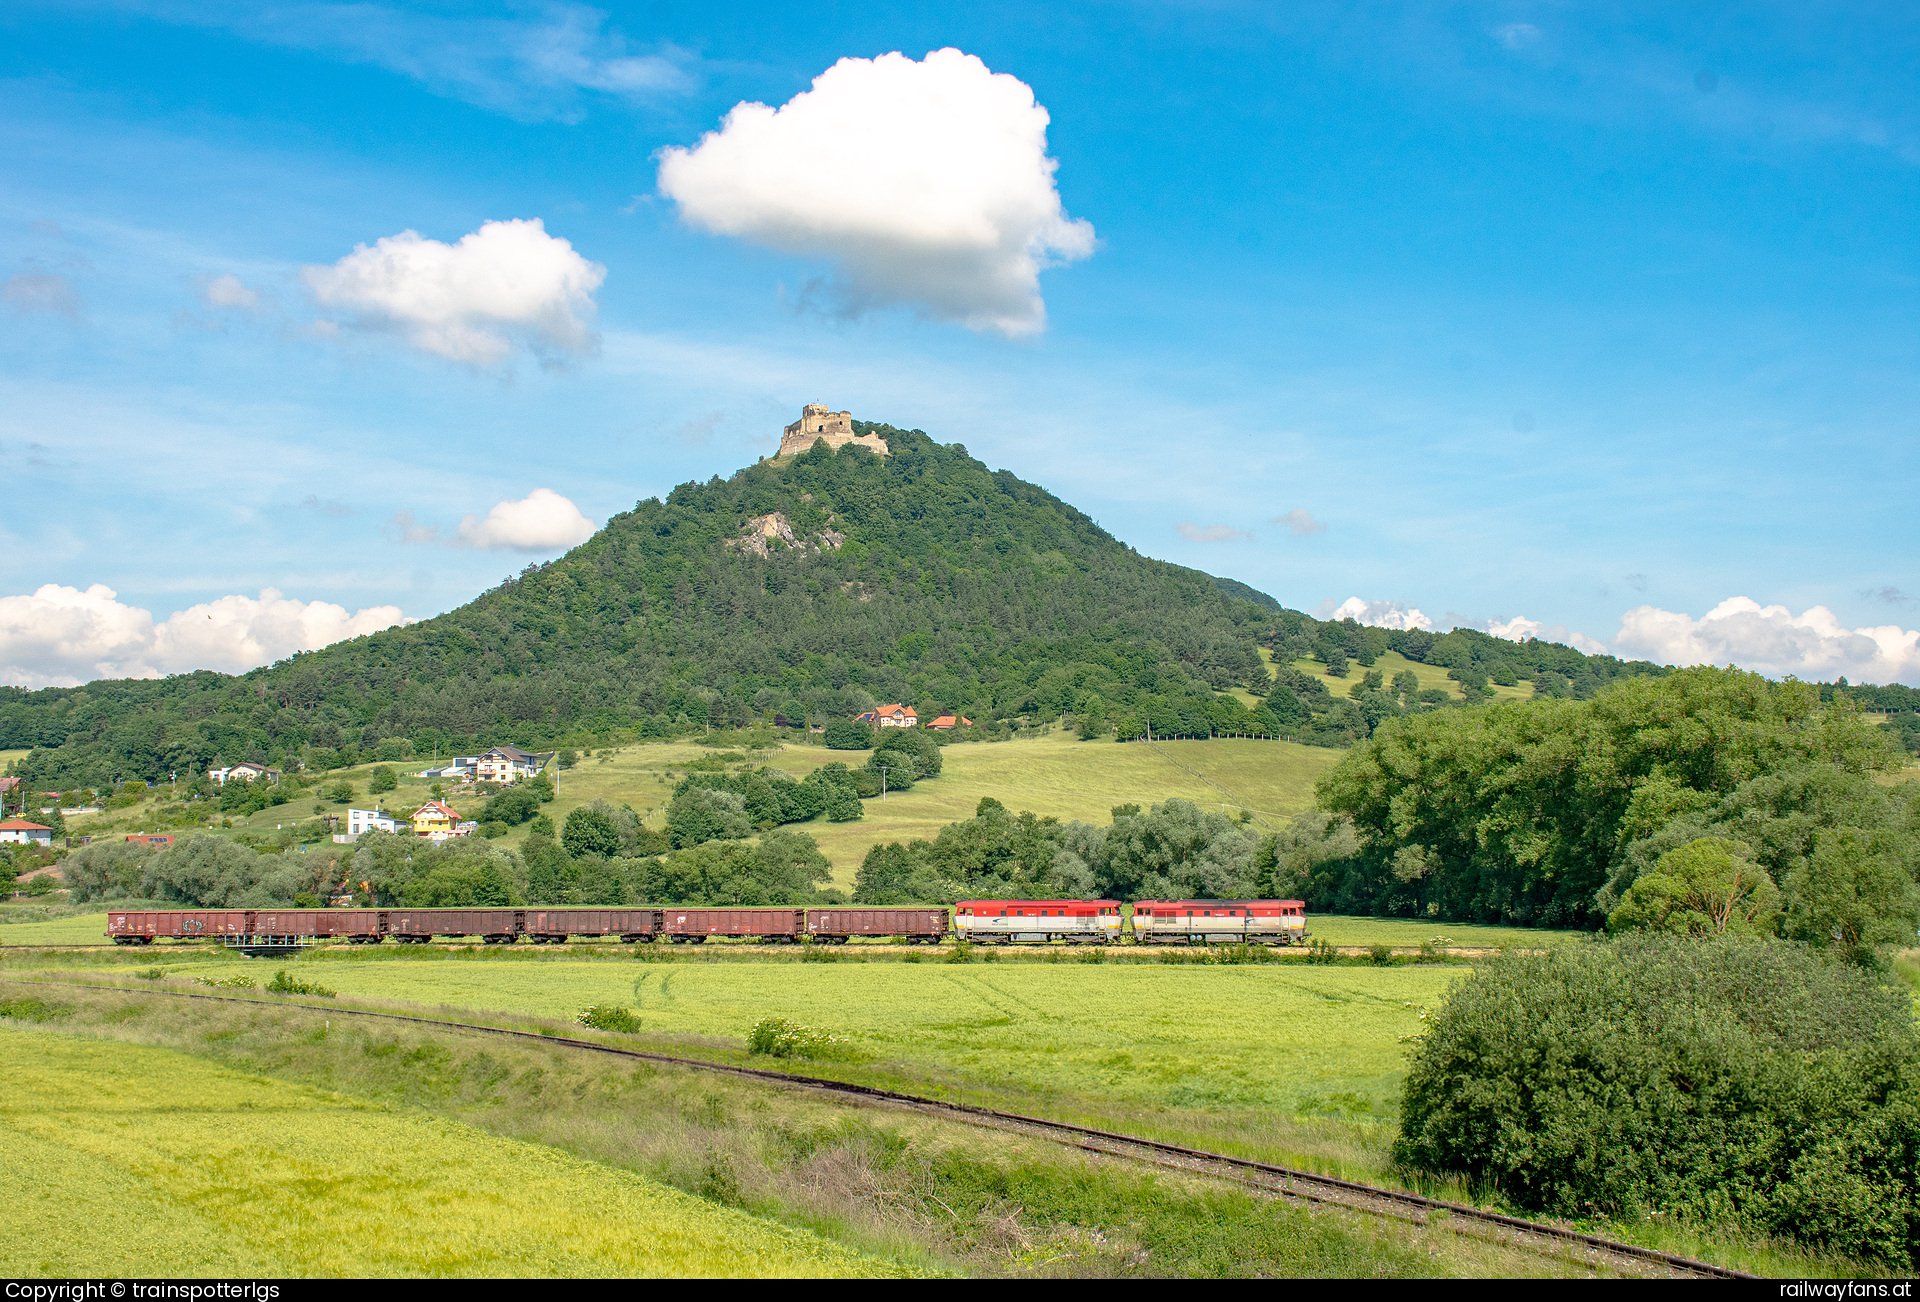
764, 534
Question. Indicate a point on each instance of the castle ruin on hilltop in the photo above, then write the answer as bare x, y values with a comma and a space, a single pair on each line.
836, 427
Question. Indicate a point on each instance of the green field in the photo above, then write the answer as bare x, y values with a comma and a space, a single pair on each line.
1290, 1037
133, 1160
1392, 663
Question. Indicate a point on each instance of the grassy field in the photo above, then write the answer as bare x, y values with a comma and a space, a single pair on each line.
893, 1188
1393, 663
1303, 1040
1053, 774
134, 1160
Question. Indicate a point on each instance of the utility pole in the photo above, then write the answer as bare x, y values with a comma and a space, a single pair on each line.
884, 770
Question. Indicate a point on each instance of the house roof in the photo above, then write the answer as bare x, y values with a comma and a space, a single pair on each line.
888, 711
436, 807
510, 752
22, 825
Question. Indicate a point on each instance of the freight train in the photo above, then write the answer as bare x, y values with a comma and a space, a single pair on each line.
1004, 922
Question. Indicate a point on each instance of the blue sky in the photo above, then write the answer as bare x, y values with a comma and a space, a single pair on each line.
1536, 311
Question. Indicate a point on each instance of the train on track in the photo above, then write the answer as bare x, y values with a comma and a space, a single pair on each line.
1003, 922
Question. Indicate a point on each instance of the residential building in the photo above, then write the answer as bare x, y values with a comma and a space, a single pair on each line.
505, 764
949, 721
245, 771
19, 831
369, 820
890, 716
436, 821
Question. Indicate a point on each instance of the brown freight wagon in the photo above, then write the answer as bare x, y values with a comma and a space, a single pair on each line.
770, 926
915, 925
186, 924
360, 926
418, 926
294, 924
553, 926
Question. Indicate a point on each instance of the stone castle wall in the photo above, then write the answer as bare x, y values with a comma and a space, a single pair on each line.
836, 427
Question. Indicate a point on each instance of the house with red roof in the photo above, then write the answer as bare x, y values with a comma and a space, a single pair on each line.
949, 721
19, 831
890, 716
436, 821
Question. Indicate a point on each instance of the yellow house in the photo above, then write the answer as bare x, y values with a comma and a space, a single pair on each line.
435, 821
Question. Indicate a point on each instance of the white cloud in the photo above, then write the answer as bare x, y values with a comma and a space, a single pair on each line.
541, 521
227, 291
1772, 640
60, 636
1374, 614
471, 301
925, 184
1212, 532
1520, 628
1300, 521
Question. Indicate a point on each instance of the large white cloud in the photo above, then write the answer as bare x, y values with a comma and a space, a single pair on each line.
471, 301
541, 521
924, 183
61, 636
1772, 640
1374, 614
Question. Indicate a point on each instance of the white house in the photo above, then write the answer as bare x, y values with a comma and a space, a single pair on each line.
20, 832
369, 820
890, 716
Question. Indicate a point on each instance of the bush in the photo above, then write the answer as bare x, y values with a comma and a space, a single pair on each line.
227, 983
283, 984
609, 1019
1712, 1078
848, 734
778, 1037
382, 779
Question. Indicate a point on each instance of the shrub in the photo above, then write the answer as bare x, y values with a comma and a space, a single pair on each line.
1706, 1078
848, 734
1322, 951
609, 1019
284, 984
382, 779
1382, 955
235, 982
777, 1037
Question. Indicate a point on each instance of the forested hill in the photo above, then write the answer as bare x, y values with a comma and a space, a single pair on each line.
812, 587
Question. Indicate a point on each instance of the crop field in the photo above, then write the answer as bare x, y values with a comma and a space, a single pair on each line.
135, 1160
1305, 1040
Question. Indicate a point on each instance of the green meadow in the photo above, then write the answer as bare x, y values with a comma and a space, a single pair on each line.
128, 1159
1290, 1037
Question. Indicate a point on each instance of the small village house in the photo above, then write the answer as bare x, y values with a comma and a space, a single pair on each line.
369, 820
436, 821
245, 771
946, 722
890, 716
19, 831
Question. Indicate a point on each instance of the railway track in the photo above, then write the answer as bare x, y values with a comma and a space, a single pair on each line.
1283, 1181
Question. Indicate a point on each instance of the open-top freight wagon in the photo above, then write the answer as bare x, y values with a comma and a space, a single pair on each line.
839, 925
